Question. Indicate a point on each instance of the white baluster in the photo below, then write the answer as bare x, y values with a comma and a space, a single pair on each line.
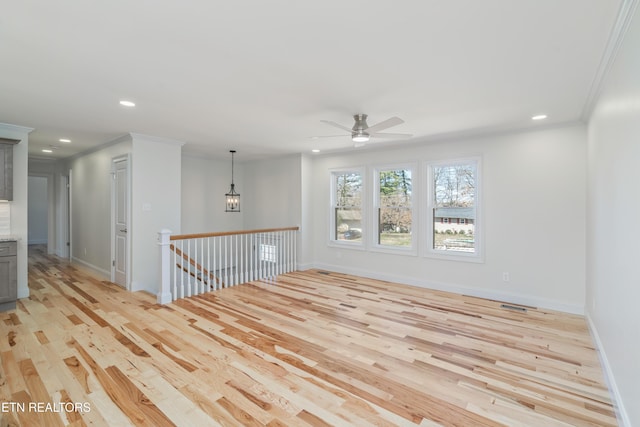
252, 262
174, 267
193, 262
203, 278
294, 267
236, 263
189, 272
242, 257
219, 270
259, 261
209, 280
290, 235
226, 261
290, 254
272, 254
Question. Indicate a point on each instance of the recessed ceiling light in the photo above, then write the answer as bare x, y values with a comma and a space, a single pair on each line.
45, 150
65, 140
315, 150
539, 117
127, 103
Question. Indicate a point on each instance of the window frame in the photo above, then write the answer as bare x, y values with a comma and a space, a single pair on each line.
428, 212
374, 221
333, 241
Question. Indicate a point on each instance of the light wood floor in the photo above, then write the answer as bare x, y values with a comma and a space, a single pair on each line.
315, 348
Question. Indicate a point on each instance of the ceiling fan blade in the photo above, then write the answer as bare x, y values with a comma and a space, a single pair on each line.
334, 124
393, 121
328, 136
390, 135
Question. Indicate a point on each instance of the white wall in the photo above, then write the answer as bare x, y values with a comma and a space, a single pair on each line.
91, 206
270, 194
155, 170
20, 203
273, 193
534, 192
38, 210
305, 237
613, 287
155, 204
204, 184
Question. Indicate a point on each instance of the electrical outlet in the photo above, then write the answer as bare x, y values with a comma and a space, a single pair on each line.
505, 276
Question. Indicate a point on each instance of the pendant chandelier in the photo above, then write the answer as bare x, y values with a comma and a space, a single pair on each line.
233, 198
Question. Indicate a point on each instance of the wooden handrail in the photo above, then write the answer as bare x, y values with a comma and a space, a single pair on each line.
229, 233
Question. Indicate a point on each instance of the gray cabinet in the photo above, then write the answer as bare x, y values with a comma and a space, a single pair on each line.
6, 172
8, 275
6, 169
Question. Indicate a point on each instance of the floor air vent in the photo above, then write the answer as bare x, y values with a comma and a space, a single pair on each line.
513, 307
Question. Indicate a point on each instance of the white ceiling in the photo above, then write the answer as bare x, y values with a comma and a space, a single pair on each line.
258, 76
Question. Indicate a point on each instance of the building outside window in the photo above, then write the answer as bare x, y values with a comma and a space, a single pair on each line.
453, 208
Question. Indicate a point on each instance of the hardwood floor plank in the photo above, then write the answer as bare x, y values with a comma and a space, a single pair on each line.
79, 372
310, 348
144, 406
39, 394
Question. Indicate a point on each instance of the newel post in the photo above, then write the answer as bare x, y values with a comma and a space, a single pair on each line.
164, 294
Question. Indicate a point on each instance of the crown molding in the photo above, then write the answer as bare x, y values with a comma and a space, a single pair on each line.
15, 132
140, 136
623, 20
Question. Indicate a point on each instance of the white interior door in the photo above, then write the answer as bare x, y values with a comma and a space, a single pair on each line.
120, 221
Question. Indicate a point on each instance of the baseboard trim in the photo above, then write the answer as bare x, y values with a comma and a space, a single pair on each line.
621, 412
99, 271
520, 299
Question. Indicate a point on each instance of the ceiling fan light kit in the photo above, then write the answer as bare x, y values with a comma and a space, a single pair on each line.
359, 137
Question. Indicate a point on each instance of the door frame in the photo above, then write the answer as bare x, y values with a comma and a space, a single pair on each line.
70, 213
114, 161
63, 229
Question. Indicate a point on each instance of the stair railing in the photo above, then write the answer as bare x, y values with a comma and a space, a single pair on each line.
192, 264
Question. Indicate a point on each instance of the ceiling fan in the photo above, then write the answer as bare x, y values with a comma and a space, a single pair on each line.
361, 131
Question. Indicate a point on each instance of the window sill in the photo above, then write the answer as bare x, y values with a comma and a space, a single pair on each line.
460, 257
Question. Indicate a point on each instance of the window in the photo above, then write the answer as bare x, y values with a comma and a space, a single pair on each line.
268, 253
452, 208
393, 208
347, 219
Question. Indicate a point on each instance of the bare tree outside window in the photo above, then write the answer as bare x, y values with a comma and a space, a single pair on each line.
348, 206
395, 208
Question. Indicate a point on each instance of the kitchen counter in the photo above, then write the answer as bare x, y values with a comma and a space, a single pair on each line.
9, 238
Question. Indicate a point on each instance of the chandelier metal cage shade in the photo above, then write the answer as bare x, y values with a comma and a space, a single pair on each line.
232, 198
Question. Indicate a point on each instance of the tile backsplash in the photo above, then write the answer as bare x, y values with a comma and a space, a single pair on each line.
5, 218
